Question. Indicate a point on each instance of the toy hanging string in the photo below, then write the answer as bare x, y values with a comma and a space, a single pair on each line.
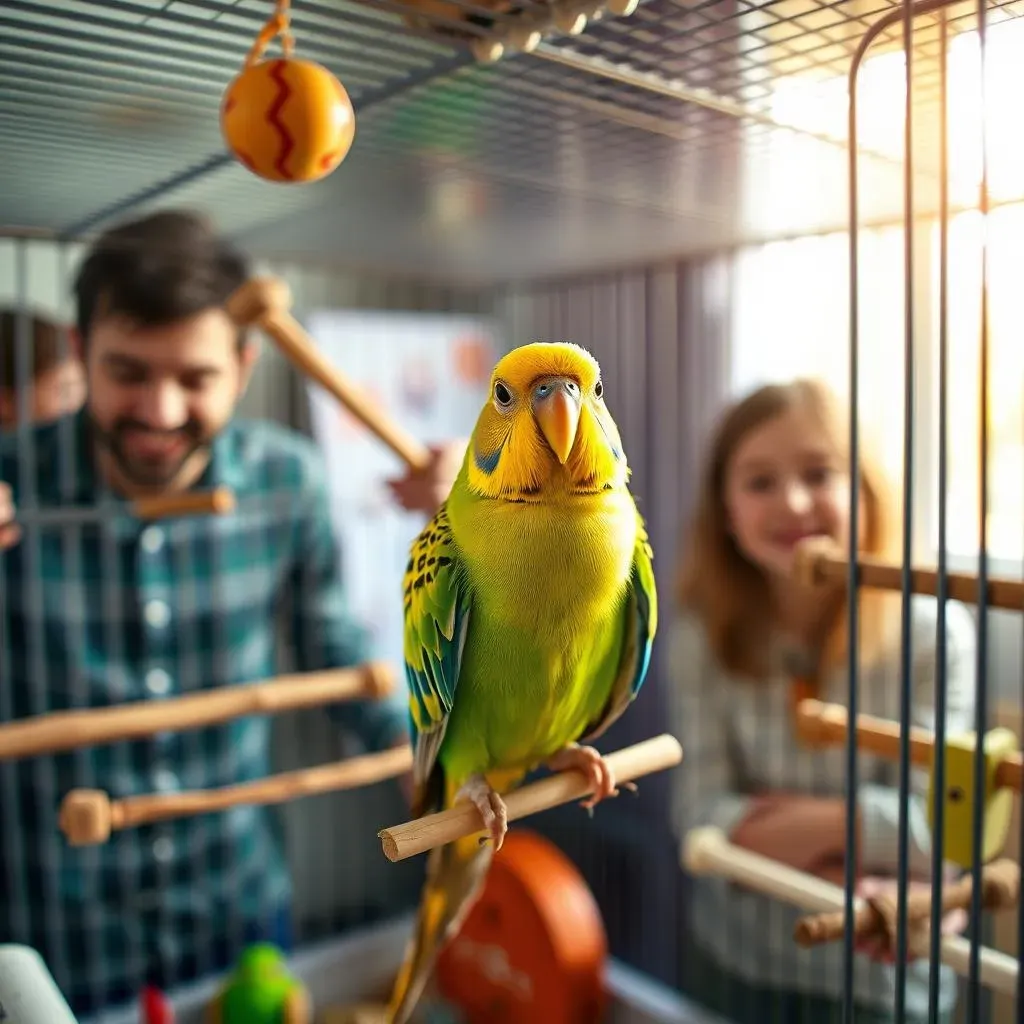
278, 24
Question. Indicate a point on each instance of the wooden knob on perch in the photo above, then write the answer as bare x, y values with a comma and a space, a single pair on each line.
258, 299
264, 302
378, 680
89, 816
810, 557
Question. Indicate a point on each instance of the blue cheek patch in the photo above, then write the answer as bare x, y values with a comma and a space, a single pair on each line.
486, 463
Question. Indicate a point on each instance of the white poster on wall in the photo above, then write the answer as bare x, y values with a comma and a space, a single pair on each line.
430, 373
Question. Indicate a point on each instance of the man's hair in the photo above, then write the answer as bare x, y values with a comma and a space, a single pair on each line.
156, 271
45, 350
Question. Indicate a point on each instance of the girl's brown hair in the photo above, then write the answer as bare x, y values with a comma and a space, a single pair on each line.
729, 593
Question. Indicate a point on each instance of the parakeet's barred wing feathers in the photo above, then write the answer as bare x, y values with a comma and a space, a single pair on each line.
436, 605
641, 611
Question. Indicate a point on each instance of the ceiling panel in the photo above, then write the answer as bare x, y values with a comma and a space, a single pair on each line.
686, 126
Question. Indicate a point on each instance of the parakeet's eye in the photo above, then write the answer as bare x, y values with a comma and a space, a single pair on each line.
502, 395
598, 389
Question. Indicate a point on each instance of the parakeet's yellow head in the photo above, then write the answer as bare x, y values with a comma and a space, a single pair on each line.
545, 429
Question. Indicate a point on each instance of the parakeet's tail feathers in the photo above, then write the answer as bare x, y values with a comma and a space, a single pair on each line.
455, 878
428, 795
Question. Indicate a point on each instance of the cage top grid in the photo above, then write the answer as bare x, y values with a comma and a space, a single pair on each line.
658, 112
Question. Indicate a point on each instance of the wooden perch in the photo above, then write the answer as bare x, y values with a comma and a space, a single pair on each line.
822, 725
403, 841
88, 816
265, 303
819, 561
88, 727
707, 851
219, 501
876, 917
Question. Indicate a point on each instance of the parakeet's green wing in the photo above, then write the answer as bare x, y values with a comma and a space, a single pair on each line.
437, 605
641, 614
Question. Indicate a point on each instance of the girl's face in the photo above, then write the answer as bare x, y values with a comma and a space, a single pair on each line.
785, 482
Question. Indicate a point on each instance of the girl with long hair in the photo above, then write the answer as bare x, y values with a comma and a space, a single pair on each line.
749, 640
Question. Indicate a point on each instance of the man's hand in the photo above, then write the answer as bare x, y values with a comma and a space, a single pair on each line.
10, 532
423, 490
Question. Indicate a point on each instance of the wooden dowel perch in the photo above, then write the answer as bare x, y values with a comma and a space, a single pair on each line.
819, 561
432, 830
822, 725
88, 816
219, 501
876, 917
265, 302
707, 851
68, 730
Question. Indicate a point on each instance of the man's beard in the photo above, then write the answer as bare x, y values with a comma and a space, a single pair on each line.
142, 471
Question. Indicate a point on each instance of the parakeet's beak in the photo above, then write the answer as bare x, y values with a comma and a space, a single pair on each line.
556, 406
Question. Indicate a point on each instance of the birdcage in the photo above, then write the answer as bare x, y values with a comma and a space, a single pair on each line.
366, 206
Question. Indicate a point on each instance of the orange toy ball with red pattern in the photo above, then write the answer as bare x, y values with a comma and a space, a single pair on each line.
288, 119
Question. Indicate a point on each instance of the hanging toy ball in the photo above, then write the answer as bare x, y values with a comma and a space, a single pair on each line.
288, 119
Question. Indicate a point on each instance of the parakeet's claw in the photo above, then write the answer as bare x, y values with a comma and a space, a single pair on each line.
489, 804
589, 761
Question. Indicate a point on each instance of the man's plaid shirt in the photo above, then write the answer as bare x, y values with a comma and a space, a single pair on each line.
99, 614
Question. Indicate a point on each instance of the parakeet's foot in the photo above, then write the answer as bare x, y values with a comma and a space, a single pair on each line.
589, 761
489, 804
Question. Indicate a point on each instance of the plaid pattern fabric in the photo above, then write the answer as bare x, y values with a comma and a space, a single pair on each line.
94, 614
739, 739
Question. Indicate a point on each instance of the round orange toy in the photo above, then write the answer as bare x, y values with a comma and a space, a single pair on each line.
286, 119
533, 947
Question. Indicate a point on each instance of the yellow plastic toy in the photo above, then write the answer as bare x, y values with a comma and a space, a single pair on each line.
997, 795
821, 725
286, 119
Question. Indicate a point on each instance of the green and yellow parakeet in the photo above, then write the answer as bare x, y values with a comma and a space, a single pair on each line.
530, 611
261, 991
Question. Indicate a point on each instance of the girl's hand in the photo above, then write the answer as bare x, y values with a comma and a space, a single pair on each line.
881, 947
804, 832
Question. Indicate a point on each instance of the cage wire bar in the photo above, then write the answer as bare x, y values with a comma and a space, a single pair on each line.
906, 15
941, 682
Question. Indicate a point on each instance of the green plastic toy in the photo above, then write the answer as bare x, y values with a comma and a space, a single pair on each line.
261, 991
